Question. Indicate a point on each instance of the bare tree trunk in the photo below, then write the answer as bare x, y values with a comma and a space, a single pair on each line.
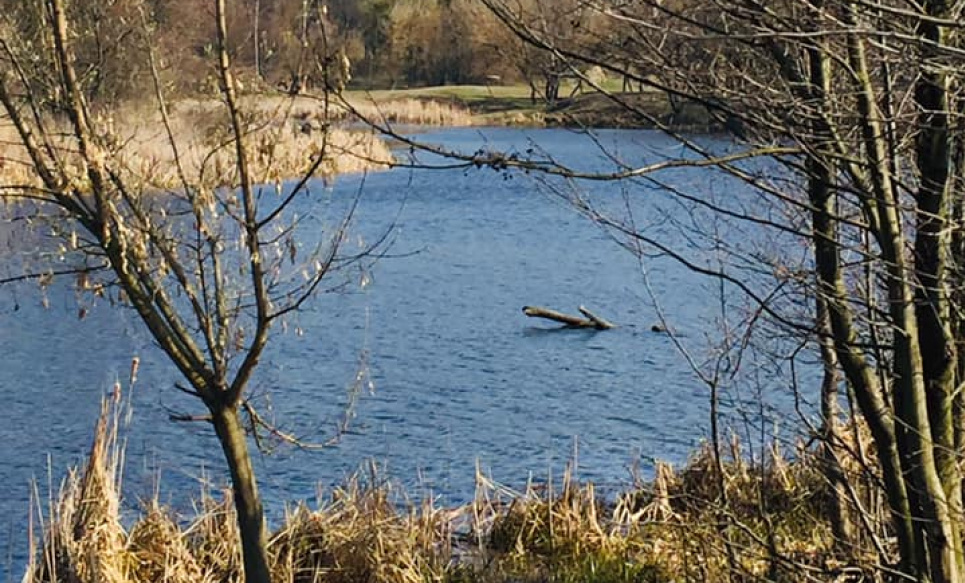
841, 520
251, 519
257, 39
824, 229
867, 391
590, 321
938, 349
935, 533
552, 87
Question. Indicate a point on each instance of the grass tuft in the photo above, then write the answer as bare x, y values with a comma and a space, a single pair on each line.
363, 534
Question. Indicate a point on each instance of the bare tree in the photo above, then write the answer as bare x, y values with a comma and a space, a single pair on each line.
855, 109
208, 252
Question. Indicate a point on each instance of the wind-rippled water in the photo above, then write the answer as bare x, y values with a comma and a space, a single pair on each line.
459, 373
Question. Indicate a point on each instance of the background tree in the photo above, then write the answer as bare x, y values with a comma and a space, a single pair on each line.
571, 24
432, 42
108, 65
369, 20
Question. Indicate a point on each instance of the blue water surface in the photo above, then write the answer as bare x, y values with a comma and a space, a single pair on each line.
453, 372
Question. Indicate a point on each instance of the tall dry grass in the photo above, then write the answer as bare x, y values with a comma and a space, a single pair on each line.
83, 538
360, 108
426, 112
285, 136
279, 146
770, 523
362, 533
196, 147
15, 167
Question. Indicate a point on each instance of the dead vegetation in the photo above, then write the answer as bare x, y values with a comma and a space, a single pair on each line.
409, 111
286, 135
769, 523
282, 145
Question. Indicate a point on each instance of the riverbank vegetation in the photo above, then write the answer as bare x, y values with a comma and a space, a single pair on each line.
393, 62
741, 520
516, 105
287, 141
288, 46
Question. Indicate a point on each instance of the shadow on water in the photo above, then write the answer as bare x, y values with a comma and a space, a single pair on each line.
574, 330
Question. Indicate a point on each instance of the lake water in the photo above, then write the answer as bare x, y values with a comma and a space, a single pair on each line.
458, 373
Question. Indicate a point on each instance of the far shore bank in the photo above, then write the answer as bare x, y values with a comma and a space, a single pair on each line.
513, 106
286, 132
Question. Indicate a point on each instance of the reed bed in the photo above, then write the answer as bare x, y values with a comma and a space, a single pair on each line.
285, 137
363, 533
408, 111
196, 146
15, 168
770, 522
279, 146
361, 108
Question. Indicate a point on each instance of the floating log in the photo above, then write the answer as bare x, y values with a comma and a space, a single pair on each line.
600, 323
590, 321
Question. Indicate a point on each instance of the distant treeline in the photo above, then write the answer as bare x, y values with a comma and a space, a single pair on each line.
276, 43
299, 44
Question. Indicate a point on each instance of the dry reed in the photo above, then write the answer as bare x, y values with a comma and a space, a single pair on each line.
363, 534
769, 523
199, 149
358, 108
279, 146
84, 539
427, 112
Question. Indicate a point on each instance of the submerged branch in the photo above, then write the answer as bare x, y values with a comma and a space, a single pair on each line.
590, 321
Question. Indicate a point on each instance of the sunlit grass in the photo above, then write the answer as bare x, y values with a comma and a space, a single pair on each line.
381, 108
196, 148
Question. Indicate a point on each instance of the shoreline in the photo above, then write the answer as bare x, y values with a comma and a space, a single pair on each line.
511, 106
354, 146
